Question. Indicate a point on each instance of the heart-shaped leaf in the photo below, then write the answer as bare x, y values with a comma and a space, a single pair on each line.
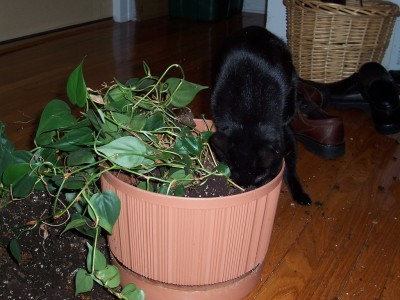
21, 178
56, 115
83, 282
182, 91
106, 207
128, 152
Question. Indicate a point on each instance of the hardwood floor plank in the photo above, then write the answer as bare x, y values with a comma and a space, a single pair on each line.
330, 250
375, 263
319, 265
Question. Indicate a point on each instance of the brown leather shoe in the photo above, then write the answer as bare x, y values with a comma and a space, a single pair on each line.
320, 133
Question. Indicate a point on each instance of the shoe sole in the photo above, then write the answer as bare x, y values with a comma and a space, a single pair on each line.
387, 129
322, 150
350, 105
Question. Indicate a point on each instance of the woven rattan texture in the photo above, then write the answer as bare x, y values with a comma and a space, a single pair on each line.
330, 42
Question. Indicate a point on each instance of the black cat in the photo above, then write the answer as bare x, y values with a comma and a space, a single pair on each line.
253, 102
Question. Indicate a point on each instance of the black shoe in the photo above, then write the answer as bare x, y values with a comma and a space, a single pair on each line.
379, 89
395, 74
343, 94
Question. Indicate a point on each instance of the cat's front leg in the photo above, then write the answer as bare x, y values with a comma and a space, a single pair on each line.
290, 174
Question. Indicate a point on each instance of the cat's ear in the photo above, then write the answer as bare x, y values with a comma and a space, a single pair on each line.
220, 144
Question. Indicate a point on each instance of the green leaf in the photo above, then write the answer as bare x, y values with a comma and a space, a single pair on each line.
100, 261
83, 282
138, 122
163, 189
128, 152
122, 105
178, 174
22, 156
182, 91
76, 87
223, 169
15, 250
131, 82
56, 115
77, 223
45, 138
21, 178
122, 119
94, 119
145, 186
180, 191
109, 276
110, 129
106, 206
181, 176
192, 144
84, 229
74, 139
6, 150
188, 144
205, 135
132, 292
116, 94
75, 182
41, 155
186, 161
80, 157
154, 122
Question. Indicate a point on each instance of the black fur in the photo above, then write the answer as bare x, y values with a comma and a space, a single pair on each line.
253, 102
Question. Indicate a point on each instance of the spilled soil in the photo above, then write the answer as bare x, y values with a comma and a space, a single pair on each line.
51, 259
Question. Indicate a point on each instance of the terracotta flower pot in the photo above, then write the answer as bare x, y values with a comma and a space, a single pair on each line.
192, 248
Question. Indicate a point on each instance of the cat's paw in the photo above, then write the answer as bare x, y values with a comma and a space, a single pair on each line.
303, 199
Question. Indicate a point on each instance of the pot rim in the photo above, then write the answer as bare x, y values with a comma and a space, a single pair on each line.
157, 197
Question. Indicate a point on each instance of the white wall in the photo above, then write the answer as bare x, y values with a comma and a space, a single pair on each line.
20, 18
276, 18
255, 6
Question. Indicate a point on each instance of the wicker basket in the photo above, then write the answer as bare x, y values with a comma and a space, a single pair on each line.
330, 42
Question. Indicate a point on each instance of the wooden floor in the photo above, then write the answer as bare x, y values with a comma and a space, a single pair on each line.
347, 247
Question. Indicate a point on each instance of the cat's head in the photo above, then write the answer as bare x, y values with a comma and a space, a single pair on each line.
252, 162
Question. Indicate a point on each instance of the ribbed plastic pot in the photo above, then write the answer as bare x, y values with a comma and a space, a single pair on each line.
192, 248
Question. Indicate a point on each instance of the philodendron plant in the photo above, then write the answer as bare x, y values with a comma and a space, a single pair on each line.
133, 128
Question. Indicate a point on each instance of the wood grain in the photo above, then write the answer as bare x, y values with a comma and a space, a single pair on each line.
345, 246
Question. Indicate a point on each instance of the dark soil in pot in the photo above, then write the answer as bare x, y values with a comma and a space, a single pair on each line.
215, 186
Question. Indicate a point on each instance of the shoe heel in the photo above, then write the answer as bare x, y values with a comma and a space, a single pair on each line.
322, 150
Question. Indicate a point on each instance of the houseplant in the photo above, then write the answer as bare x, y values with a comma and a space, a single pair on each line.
135, 130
